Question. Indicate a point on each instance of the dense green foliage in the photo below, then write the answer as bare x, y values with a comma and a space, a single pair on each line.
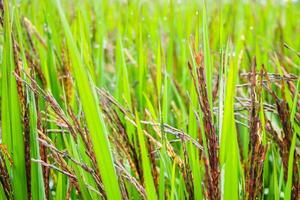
136, 99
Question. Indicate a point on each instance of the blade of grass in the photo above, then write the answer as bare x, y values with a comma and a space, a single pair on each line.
229, 146
288, 187
11, 111
148, 178
94, 118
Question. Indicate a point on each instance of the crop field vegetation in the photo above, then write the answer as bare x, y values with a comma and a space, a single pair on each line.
140, 99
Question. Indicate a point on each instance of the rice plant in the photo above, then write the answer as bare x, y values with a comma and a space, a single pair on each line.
137, 99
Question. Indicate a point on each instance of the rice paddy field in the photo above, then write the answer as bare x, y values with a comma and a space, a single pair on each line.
161, 99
